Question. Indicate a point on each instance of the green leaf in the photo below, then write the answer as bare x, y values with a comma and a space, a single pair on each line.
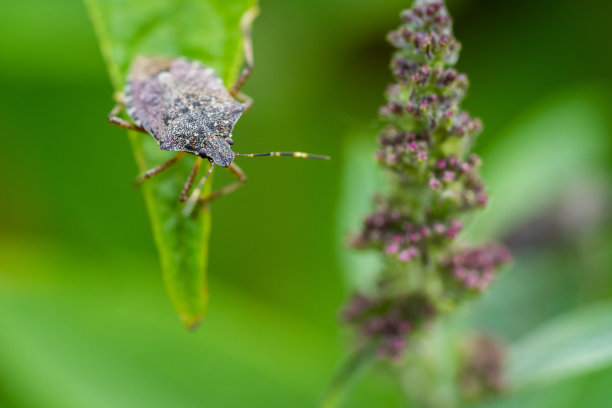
205, 30
572, 344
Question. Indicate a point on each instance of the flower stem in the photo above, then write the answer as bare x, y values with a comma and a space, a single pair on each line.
345, 376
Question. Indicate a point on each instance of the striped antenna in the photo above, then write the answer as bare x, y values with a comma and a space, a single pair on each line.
286, 154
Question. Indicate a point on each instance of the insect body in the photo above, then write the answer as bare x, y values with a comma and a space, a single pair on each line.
184, 105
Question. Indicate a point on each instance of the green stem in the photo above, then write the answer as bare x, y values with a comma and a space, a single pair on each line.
354, 365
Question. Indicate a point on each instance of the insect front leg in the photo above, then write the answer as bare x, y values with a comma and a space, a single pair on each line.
158, 169
245, 24
189, 182
238, 173
117, 121
190, 205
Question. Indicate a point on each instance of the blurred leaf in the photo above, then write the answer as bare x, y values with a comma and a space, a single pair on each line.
572, 344
106, 339
551, 291
565, 394
562, 139
205, 30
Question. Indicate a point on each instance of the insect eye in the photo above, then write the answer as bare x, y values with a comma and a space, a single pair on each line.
229, 141
202, 153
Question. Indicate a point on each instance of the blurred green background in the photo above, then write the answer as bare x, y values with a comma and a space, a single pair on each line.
84, 317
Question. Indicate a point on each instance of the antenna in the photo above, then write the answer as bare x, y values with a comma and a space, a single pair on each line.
287, 154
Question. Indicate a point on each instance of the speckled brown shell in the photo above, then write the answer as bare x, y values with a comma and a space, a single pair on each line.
180, 102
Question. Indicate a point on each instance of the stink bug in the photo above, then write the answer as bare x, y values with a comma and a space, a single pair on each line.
184, 105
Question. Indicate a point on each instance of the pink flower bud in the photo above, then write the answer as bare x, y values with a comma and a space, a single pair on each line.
481, 199
392, 248
404, 256
408, 254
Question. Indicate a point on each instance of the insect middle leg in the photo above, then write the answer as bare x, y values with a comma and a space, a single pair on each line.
117, 121
245, 24
238, 173
158, 169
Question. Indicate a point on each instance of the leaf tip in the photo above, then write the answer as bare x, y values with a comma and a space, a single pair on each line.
192, 322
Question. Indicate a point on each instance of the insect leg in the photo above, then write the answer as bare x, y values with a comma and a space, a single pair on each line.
158, 169
245, 25
190, 179
197, 192
116, 120
246, 100
238, 173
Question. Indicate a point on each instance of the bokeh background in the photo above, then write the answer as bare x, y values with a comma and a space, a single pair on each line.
84, 317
